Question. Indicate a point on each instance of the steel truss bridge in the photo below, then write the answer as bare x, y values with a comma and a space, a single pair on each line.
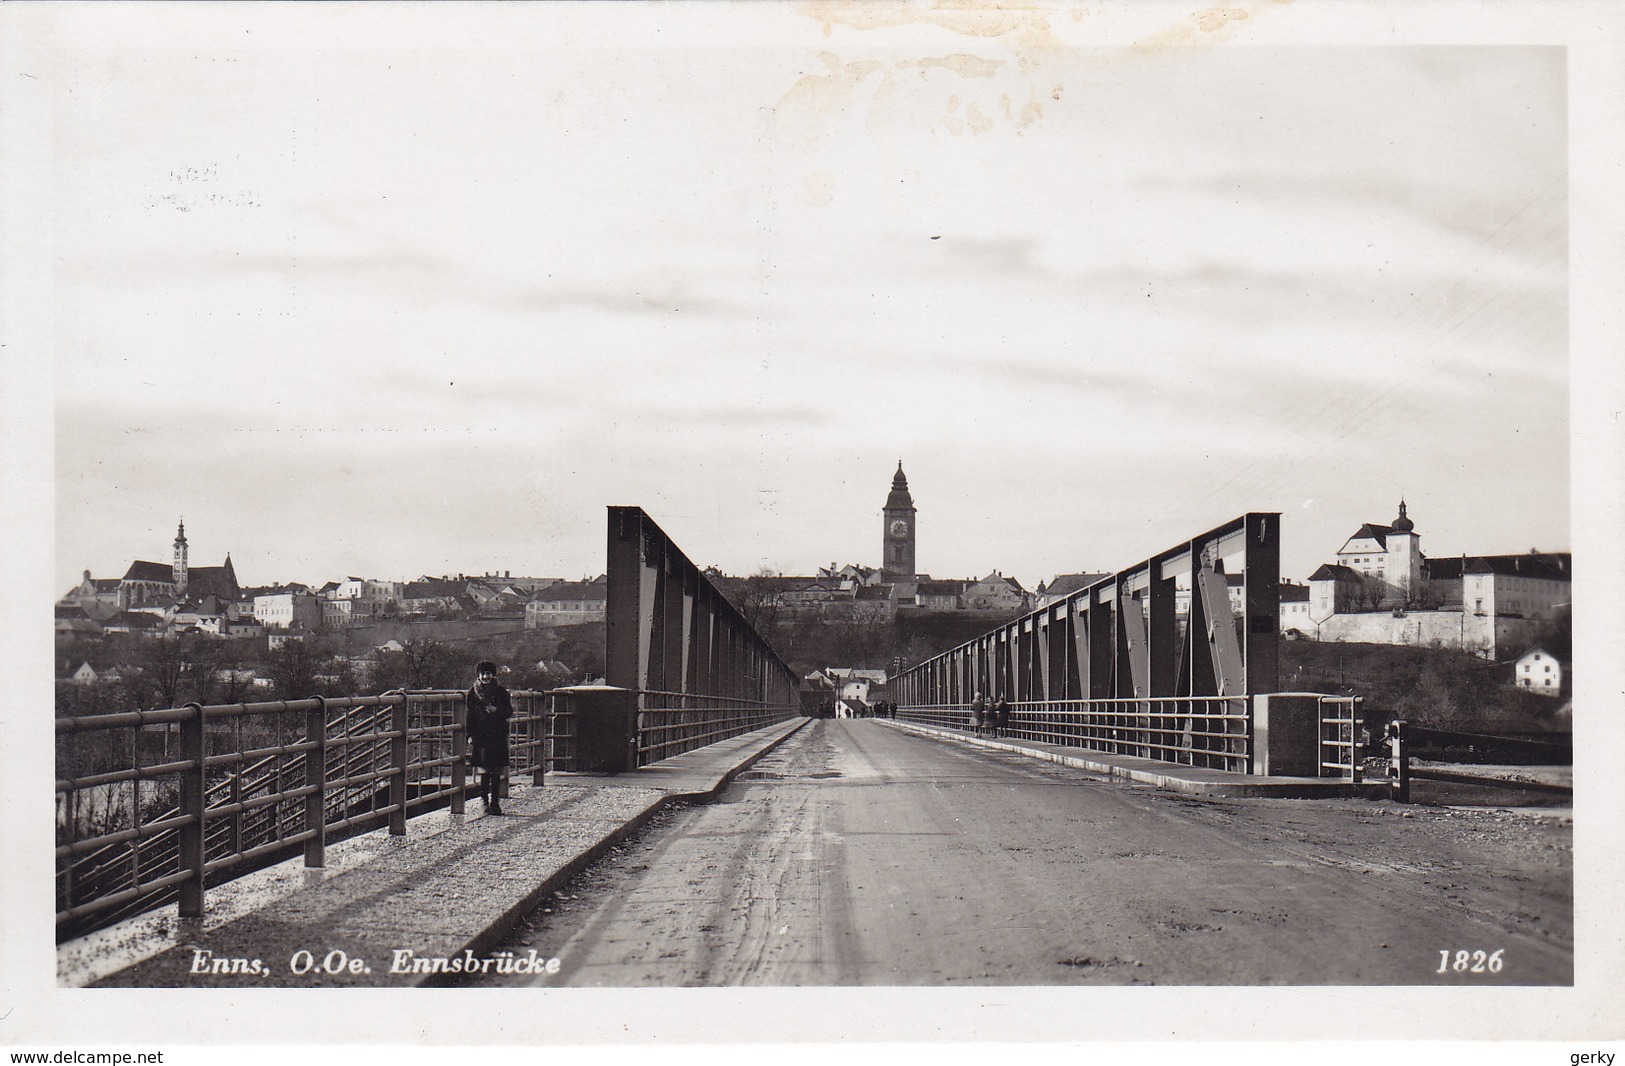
154, 807
1162, 660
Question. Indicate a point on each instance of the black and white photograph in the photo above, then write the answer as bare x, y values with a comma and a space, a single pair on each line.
794, 523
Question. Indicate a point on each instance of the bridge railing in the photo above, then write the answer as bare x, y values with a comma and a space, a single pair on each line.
1215, 732
1208, 731
670, 723
154, 806
1340, 748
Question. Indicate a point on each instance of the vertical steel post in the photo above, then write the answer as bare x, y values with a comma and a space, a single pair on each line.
538, 738
1162, 636
316, 777
399, 718
459, 763
1261, 573
623, 616
1399, 763
1356, 763
1101, 643
194, 803
236, 833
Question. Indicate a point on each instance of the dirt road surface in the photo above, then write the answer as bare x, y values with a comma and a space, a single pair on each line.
858, 854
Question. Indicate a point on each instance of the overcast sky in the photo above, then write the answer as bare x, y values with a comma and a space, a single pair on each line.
360, 306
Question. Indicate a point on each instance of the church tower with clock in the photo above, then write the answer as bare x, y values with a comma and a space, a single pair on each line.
897, 551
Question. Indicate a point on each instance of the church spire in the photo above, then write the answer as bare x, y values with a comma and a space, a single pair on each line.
179, 569
899, 497
898, 536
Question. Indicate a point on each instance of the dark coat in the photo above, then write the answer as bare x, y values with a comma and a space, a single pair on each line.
488, 714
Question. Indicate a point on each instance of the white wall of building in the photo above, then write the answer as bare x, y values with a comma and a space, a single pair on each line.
1539, 671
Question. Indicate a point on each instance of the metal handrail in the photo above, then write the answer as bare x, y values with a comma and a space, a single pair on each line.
373, 760
664, 732
1193, 730
1339, 730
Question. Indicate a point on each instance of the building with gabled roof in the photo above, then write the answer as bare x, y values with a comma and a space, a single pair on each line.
134, 622
938, 595
433, 596
97, 596
568, 603
995, 592
72, 619
1063, 585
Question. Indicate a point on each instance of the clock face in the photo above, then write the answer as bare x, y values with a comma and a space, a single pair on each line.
899, 528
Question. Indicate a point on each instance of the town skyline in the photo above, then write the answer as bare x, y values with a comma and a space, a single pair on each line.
500, 568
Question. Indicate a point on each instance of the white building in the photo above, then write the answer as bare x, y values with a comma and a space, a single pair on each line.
295, 609
1384, 590
995, 592
338, 613
368, 590
568, 603
1539, 671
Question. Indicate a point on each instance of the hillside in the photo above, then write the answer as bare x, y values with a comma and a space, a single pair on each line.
1431, 687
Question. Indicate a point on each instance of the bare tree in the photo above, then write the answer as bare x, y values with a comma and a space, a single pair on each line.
425, 662
164, 662
293, 668
760, 602
202, 669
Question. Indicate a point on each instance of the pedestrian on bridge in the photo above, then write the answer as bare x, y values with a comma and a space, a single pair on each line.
978, 713
489, 711
1001, 717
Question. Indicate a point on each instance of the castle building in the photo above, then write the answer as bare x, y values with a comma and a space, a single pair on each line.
899, 531
1386, 557
1383, 590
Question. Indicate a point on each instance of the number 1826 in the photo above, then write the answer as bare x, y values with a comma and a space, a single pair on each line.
1470, 961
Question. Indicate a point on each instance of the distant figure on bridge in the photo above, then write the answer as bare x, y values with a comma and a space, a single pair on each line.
489, 710
978, 713
1001, 717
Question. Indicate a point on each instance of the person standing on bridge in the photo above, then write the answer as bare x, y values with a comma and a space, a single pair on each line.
489, 710
978, 713
1001, 717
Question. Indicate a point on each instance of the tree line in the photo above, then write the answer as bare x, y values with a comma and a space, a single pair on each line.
151, 674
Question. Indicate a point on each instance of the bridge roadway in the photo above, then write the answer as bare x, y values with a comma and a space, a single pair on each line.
860, 852
863, 852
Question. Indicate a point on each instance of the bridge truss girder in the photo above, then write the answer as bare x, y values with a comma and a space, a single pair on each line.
1120, 637
669, 630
